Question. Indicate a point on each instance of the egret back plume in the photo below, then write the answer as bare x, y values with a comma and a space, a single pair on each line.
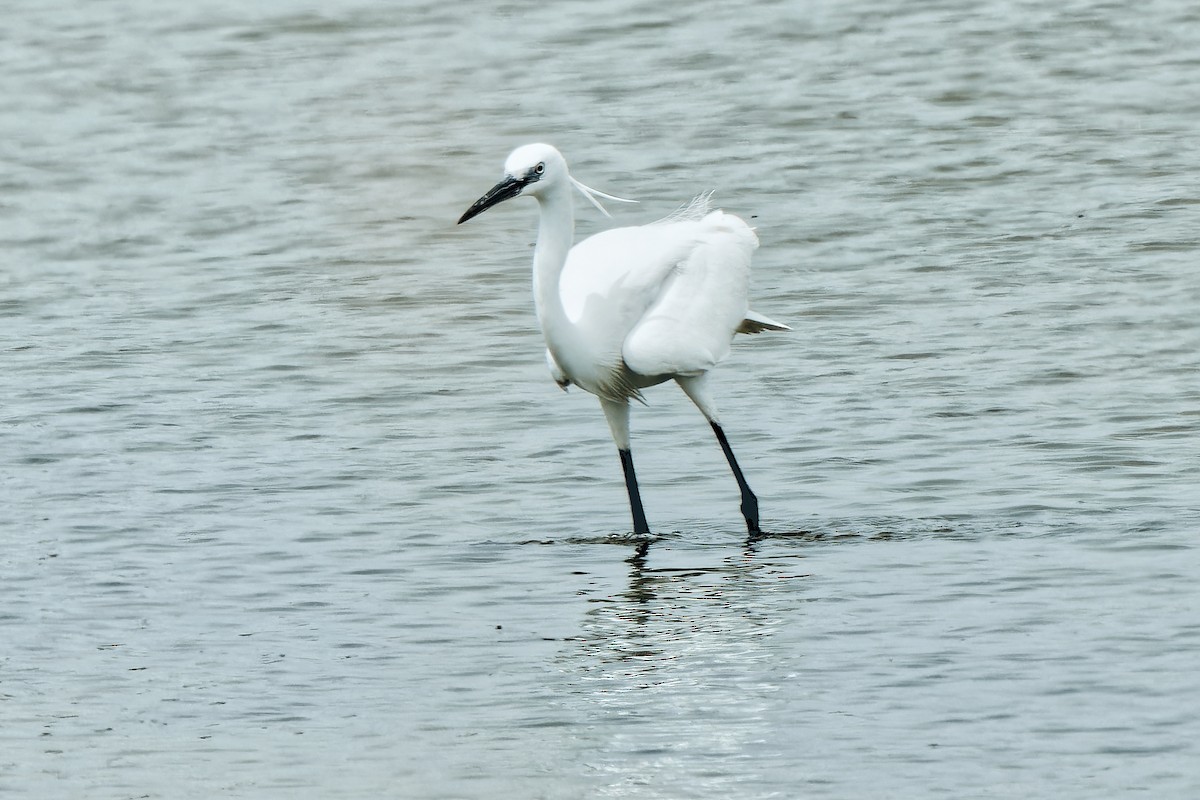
698, 208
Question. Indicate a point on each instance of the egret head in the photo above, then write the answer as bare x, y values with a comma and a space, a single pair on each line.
533, 170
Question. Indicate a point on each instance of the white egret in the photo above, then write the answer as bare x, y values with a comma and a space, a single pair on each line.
633, 307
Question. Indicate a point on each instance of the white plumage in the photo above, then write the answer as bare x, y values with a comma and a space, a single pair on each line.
632, 307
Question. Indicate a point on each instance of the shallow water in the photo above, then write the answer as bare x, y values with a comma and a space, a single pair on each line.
292, 508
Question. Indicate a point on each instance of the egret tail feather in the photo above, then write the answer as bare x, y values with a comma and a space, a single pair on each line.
757, 323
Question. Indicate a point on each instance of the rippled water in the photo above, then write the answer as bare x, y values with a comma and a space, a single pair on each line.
292, 509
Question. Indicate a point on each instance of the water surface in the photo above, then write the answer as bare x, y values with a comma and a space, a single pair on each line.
292, 508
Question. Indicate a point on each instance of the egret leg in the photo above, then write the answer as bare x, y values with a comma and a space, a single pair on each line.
749, 500
640, 527
697, 389
617, 414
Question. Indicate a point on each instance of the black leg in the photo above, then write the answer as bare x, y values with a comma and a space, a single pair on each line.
635, 498
749, 501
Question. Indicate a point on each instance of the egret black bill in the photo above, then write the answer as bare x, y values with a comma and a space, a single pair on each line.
508, 188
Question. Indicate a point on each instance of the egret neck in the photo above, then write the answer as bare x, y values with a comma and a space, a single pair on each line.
556, 234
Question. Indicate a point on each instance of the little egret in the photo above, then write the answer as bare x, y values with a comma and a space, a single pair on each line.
634, 307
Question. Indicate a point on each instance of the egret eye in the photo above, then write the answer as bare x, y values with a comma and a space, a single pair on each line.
540, 168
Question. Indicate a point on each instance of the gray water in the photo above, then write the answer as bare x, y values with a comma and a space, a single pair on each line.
291, 507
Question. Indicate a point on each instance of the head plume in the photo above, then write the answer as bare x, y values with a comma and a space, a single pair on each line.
591, 194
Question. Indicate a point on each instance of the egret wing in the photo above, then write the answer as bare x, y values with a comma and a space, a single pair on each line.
612, 278
699, 306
